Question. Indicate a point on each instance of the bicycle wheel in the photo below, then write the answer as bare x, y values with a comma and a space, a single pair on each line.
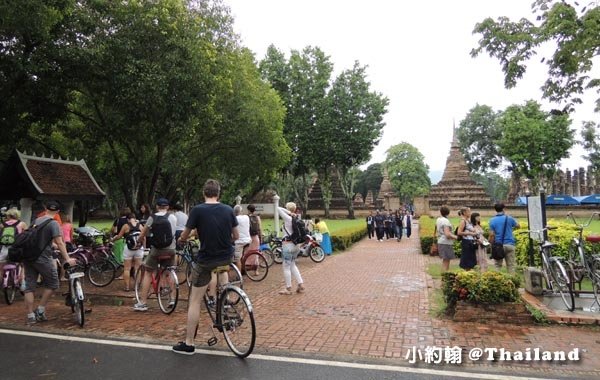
237, 321
316, 254
562, 284
10, 291
188, 274
139, 278
101, 272
277, 255
268, 254
576, 267
235, 276
595, 277
168, 291
255, 266
182, 270
78, 302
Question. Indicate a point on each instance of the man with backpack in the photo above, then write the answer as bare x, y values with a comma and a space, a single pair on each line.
160, 231
44, 265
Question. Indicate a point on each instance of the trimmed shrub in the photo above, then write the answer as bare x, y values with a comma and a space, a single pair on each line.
344, 238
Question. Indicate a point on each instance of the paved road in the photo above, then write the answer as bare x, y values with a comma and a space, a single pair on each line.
54, 357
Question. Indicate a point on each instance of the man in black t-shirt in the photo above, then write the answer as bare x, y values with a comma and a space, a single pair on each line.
216, 227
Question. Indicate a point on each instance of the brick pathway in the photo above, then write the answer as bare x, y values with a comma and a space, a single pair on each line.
369, 303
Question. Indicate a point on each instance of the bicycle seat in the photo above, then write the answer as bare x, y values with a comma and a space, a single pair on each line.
593, 238
548, 244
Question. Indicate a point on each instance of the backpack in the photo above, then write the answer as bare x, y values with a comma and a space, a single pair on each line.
162, 235
9, 231
458, 237
299, 232
254, 225
133, 236
27, 245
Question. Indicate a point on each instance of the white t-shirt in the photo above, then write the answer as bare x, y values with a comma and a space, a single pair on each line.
182, 219
440, 224
243, 229
172, 220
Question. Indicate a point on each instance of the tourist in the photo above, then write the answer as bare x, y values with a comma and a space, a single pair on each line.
144, 213
386, 225
290, 251
445, 238
160, 229
407, 223
9, 229
468, 244
321, 227
370, 225
482, 243
501, 231
215, 225
255, 228
379, 225
398, 225
182, 219
133, 253
244, 239
45, 265
119, 244
67, 231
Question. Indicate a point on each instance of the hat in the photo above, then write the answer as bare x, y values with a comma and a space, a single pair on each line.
162, 202
52, 206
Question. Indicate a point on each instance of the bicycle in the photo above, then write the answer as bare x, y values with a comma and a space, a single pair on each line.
187, 254
254, 265
75, 295
231, 314
99, 270
556, 276
12, 281
583, 264
163, 283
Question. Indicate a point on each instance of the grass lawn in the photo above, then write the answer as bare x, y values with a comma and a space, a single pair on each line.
267, 224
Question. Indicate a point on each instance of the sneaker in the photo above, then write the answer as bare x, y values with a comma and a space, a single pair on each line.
182, 348
31, 319
140, 307
300, 289
40, 315
286, 291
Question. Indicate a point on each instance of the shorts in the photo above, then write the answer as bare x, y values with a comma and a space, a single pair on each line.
239, 251
202, 273
446, 251
129, 254
151, 261
44, 266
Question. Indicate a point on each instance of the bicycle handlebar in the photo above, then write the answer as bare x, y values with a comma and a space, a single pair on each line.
582, 226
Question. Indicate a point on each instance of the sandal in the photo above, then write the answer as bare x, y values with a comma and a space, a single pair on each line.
285, 291
300, 289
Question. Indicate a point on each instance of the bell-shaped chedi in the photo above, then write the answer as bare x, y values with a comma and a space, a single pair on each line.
457, 189
387, 198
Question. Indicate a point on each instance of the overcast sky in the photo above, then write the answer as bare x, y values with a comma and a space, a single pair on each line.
417, 54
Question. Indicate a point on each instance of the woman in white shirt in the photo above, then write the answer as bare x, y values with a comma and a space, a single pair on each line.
290, 251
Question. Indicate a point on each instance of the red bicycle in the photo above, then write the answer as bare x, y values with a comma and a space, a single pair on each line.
163, 283
254, 264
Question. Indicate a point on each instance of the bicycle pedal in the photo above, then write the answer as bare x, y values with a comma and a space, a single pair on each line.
212, 341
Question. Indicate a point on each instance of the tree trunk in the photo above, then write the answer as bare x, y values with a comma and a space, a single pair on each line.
123, 183
160, 150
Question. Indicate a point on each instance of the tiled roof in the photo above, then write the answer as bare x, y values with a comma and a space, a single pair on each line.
57, 177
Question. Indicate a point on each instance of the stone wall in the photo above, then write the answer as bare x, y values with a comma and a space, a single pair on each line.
509, 312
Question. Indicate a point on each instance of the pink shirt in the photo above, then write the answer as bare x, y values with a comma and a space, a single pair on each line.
67, 231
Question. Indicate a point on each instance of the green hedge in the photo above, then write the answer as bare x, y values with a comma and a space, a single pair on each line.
489, 287
344, 238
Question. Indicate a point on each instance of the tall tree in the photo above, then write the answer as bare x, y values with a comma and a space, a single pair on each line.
353, 127
534, 141
409, 174
370, 179
573, 28
478, 134
590, 137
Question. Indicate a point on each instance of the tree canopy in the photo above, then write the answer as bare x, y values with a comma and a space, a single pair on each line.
409, 174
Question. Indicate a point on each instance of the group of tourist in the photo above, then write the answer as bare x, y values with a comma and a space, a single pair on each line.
473, 244
389, 224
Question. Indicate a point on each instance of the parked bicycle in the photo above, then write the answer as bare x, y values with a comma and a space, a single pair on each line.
11, 281
163, 283
75, 296
232, 314
583, 262
555, 274
254, 265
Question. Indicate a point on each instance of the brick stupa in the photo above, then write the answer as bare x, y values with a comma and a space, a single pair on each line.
457, 189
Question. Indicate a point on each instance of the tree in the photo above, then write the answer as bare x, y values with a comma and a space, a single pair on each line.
495, 185
409, 174
590, 141
576, 35
534, 141
477, 135
353, 127
370, 179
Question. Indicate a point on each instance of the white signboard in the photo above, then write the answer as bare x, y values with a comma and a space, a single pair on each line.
534, 212
266, 209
